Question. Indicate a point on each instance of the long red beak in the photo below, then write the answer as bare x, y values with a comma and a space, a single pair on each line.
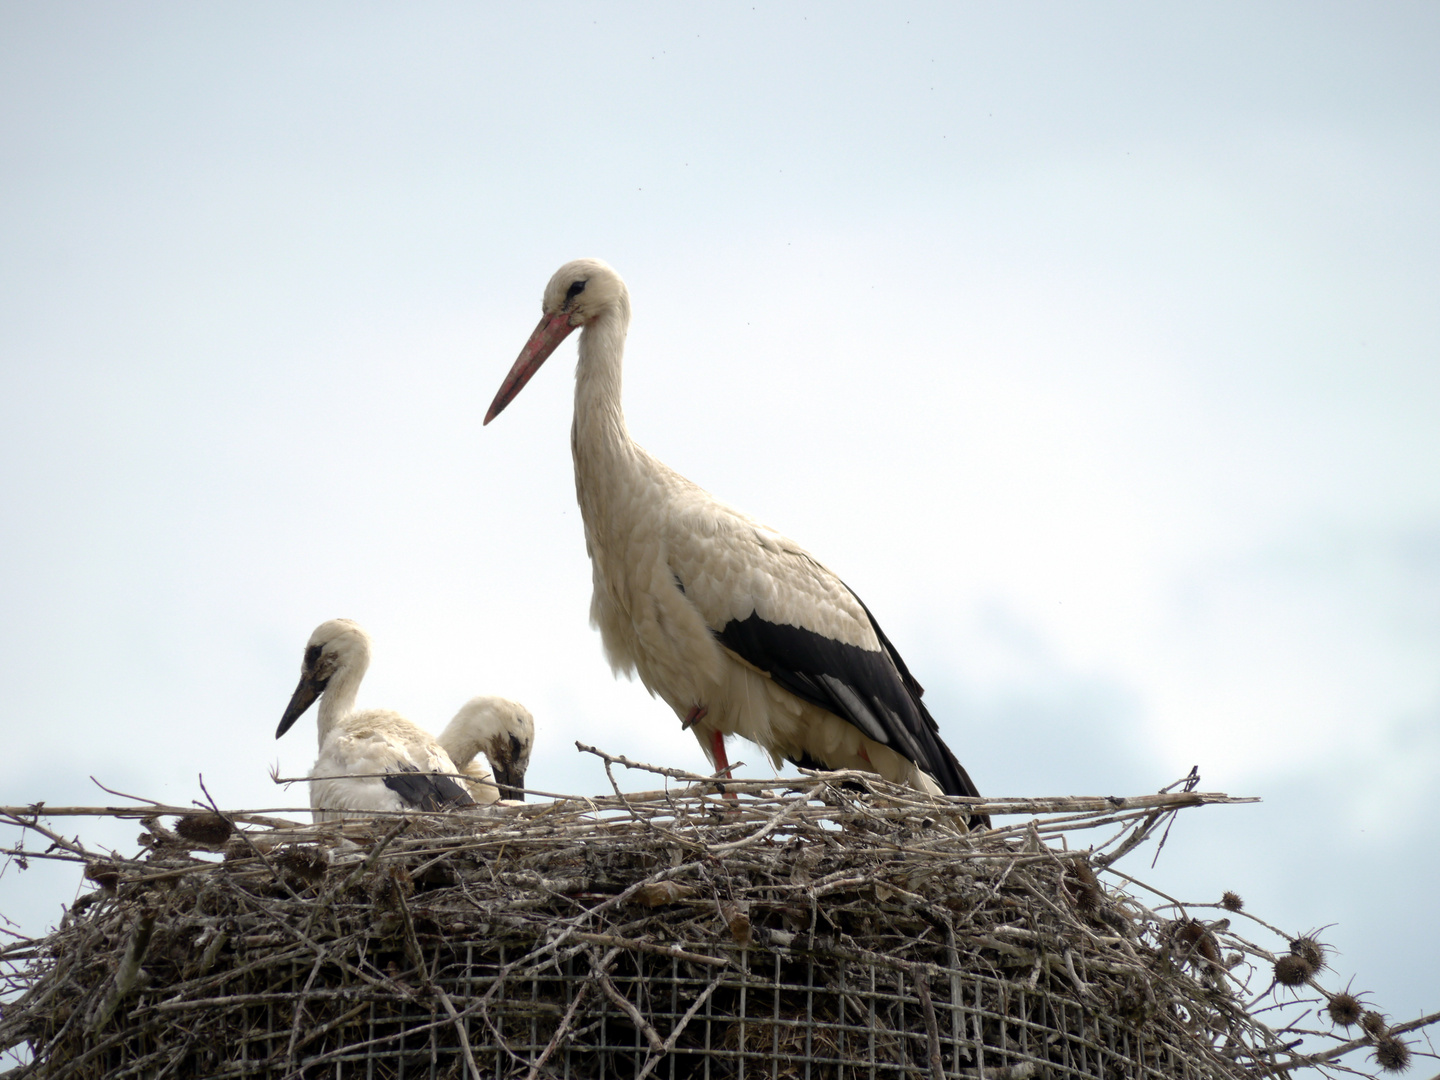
552, 330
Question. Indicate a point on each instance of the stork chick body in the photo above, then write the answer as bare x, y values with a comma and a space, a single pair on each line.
372, 760
738, 629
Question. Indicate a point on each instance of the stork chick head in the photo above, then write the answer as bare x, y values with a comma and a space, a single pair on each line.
580, 293
503, 730
336, 644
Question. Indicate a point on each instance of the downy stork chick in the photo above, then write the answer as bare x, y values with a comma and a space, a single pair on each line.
369, 760
504, 731
737, 628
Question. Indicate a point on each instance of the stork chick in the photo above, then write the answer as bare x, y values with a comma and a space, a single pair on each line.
372, 760
505, 732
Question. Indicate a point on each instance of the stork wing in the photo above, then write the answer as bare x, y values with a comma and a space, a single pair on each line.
427, 791
773, 605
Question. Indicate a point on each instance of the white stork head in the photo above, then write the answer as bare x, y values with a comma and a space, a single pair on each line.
582, 293
336, 647
503, 730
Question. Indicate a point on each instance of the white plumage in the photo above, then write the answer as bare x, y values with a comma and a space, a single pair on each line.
505, 732
737, 628
369, 760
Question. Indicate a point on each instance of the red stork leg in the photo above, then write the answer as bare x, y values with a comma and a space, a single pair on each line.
717, 750
717, 746
722, 763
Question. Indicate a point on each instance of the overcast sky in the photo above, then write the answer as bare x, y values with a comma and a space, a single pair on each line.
1096, 346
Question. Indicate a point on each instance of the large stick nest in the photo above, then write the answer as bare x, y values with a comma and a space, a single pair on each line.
833, 926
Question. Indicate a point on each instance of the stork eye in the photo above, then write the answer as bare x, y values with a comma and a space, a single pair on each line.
576, 288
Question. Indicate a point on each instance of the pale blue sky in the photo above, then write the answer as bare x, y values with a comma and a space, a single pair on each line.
1097, 347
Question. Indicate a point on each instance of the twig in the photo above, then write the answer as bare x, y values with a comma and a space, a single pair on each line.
121, 794
621, 759
128, 973
1355, 1044
932, 1028
560, 1032
460, 1032
684, 1022
39, 810
636, 1017
651, 947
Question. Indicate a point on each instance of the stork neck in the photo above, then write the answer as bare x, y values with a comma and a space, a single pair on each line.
461, 745
599, 417
338, 701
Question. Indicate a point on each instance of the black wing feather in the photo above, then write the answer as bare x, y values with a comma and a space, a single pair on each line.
427, 791
835, 676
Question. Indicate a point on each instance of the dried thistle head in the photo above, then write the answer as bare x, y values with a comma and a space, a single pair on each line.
106, 875
238, 847
209, 829
304, 861
1196, 942
1344, 1009
1391, 1053
1373, 1024
1292, 970
1088, 896
390, 885
1309, 950
1189, 932
1231, 901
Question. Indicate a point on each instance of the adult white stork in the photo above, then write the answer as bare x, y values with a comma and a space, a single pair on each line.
369, 760
505, 732
738, 629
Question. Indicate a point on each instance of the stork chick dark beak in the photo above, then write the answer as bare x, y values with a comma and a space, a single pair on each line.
305, 694
507, 758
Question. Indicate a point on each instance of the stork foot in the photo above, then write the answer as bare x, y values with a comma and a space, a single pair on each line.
693, 717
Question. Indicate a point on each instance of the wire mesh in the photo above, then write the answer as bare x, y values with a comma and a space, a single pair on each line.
777, 1014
